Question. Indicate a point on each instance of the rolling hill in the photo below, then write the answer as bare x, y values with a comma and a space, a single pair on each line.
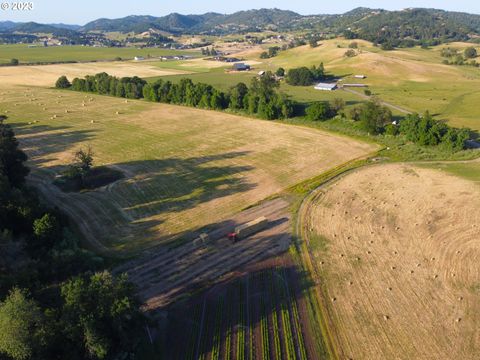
414, 25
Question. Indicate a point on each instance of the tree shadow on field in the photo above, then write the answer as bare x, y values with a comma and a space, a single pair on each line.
229, 314
41, 142
176, 184
129, 211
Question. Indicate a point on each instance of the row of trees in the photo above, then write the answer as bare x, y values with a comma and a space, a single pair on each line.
52, 305
260, 98
374, 118
304, 76
424, 130
104, 84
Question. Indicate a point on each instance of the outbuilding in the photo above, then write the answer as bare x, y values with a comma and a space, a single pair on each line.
138, 58
326, 86
240, 67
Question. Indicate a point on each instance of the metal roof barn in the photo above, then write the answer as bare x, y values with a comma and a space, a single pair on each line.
325, 86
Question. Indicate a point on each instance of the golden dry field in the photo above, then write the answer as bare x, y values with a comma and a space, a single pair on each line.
397, 246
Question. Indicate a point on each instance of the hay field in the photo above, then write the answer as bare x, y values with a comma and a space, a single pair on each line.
27, 54
46, 75
397, 246
185, 168
414, 79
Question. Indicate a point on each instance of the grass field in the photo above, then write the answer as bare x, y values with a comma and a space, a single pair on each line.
46, 75
414, 79
27, 54
185, 168
396, 246
411, 78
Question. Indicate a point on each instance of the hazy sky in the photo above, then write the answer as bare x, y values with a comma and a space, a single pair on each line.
82, 11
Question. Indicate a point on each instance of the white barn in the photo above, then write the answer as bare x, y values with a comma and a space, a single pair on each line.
326, 86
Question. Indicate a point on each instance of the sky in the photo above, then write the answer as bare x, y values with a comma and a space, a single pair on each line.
83, 11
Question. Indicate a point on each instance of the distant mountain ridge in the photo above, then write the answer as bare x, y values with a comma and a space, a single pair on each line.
178, 23
377, 25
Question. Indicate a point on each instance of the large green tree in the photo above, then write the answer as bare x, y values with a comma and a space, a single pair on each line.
100, 314
21, 326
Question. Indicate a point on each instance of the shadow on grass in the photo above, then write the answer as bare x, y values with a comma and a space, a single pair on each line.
225, 317
41, 142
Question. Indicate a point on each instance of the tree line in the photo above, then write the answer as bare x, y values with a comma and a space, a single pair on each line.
261, 98
376, 119
56, 299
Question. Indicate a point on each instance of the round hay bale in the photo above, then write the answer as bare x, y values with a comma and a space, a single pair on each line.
66, 111
116, 112
92, 121
334, 299
458, 320
386, 317
126, 101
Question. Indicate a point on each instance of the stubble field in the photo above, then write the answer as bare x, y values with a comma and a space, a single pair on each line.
184, 168
398, 248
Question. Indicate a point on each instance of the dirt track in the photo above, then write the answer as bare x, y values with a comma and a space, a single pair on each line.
398, 248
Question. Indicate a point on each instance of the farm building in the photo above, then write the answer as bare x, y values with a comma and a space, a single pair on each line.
138, 58
240, 67
360, 77
261, 73
325, 86
355, 85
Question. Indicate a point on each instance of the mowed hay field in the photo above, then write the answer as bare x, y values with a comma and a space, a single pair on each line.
46, 75
184, 168
398, 249
26, 54
414, 79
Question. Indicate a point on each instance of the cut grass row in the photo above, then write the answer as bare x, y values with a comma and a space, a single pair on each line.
231, 325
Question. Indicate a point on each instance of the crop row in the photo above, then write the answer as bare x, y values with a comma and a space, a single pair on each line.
229, 321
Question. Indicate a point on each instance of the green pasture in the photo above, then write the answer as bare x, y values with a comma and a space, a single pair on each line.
466, 170
413, 78
26, 54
